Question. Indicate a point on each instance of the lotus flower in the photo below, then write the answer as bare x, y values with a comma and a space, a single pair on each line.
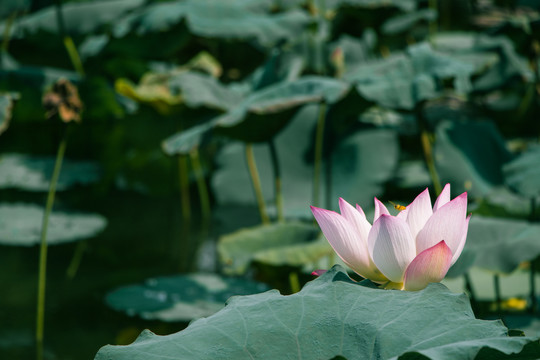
407, 251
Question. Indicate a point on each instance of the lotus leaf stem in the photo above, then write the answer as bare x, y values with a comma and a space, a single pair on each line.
201, 183
40, 321
183, 174
277, 180
319, 139
255, 180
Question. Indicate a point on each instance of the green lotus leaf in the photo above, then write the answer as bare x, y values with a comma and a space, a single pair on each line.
180, 297
470, 156
20, 225
239, 249
33, 173
79, 17
523, 173
335, 317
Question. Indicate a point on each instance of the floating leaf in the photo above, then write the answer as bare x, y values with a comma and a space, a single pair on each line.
470, 155
523, 173
20, 224
33, 173
333, 316
181, 297
239, 249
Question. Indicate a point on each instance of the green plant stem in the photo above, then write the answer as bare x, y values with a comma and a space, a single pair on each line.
76, 260
497, 286
40, 321
201, 183
470, 289
319, 139
294, 282
184, 187
428, 155
433, 28
252, 166
277, 180
532, 284
7, 31
68, 41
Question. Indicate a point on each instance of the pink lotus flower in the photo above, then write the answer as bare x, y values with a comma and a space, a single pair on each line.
407, 251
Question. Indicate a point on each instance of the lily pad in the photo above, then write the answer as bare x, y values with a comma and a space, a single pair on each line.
33, 173
334, 316
181, 297
20, 225
265, 243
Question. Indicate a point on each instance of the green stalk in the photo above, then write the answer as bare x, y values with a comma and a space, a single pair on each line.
470, 289
183, 174
252, 166
319, 139
40, 321
277, 180
68, 41
428, 154
497, 286
433, 28
294, 282
201, 184
76, 259
532, 283
7, 31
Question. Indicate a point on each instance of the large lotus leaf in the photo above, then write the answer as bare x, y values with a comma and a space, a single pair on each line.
335, 317
265, 112
79, 17
470, 155
405, 79
180, 297
523, 173
20, 224
185, 141
215, 19
494, 57
239, 249
499, 244
405, 5
6, 107
33, 173
401, 23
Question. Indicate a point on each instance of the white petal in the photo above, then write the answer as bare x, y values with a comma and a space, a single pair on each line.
418, 212
355, 218
391, 246
447, 223
443, 198
346, 242
380, 209
463, 240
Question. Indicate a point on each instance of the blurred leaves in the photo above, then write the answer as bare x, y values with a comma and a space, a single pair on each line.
33, 173
6, 109
20, 225
181, 297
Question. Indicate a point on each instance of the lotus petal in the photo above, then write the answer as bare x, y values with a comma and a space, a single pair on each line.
391, 246
431, 265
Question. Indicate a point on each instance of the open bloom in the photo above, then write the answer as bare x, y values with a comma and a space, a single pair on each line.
409, 250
